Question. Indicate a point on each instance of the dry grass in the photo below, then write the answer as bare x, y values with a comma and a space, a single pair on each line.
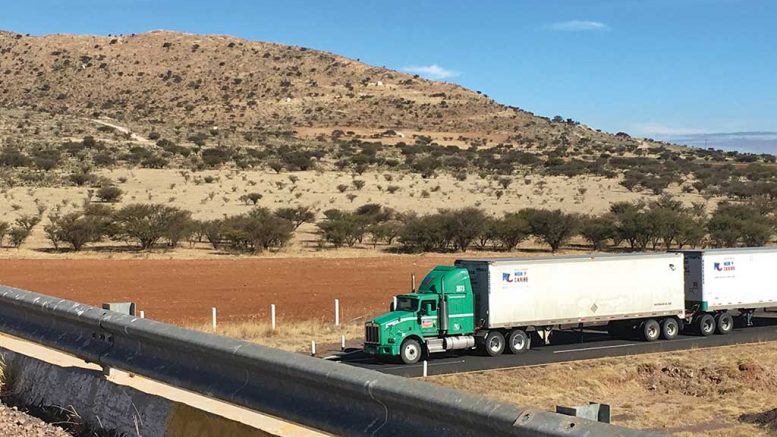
315, 189
719, 391
293, 336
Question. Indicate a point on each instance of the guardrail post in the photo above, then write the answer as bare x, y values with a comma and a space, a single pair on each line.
342, 342
337, 312
313, 348
425, 368
213, 317
272, 316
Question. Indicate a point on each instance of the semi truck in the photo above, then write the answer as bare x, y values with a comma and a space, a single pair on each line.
500, 304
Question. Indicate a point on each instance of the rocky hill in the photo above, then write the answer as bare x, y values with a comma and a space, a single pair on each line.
196, 81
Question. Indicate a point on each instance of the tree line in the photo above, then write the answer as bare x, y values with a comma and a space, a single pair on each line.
661, 224
664, 223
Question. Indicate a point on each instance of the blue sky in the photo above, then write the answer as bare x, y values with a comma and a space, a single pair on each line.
660, 68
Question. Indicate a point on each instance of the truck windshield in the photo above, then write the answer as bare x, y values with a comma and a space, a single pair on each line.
407, 304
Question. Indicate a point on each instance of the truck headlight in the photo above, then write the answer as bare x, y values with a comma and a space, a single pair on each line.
392, 340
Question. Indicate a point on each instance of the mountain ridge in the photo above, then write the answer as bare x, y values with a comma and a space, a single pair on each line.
170, 77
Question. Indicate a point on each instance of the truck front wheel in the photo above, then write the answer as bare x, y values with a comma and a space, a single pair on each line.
518, 341
495, 343
410, 351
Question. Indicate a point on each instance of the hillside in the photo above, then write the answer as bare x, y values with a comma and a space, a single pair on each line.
167, 78
216, 126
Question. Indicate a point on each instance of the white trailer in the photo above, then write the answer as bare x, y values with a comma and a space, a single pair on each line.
627, 292
719, 280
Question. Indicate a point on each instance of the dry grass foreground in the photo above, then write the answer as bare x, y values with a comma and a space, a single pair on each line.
292, 335
727, 391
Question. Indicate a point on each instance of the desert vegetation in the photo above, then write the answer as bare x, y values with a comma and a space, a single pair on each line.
664, 223
720, 393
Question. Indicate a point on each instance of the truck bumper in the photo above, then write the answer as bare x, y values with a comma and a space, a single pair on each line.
387, 350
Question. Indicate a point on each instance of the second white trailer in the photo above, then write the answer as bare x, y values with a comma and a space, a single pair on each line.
719, 280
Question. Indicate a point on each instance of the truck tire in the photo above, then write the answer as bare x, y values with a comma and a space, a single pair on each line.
724, 323
411, 351
669, 328
518, 341
705, 325
650, 330
495, 343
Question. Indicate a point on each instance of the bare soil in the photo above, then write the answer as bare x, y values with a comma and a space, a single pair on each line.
183, 291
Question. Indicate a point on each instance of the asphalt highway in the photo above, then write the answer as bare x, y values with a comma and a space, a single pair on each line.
566, 346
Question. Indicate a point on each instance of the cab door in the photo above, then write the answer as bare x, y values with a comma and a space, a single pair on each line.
427, 315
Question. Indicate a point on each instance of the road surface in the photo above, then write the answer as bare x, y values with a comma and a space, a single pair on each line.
566, 346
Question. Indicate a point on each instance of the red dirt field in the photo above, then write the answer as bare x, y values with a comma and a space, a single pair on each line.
183, 291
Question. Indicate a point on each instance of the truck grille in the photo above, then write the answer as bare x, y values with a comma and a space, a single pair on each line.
372, 333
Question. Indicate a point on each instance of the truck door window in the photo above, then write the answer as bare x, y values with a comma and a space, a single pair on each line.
429, 306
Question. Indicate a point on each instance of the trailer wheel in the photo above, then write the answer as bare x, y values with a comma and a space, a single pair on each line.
725, 323
669, 328
518, 341
411, 351
651, 330
705, 325
495, 343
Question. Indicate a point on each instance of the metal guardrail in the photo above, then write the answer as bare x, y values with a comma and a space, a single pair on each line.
328, 396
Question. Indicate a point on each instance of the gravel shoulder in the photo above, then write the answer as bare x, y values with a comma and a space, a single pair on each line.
14, 422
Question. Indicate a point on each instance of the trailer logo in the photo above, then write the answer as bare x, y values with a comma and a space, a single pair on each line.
515, 278
724, 268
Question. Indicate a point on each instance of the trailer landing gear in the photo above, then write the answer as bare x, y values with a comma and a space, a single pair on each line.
748, 316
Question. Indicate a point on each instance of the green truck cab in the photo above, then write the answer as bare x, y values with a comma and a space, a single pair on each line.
439, 316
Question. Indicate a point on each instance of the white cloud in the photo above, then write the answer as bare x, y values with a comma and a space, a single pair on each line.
578, 26
433, 71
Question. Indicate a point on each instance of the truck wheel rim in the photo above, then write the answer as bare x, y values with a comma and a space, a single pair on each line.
652, 331
671, 329
518, 343
494, 344
707, 326
411, 351
724, 323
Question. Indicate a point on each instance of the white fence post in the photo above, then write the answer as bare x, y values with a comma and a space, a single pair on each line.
272, 315
142, 314
213, 317
313, 348
425, 368
342, 342
337, 312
